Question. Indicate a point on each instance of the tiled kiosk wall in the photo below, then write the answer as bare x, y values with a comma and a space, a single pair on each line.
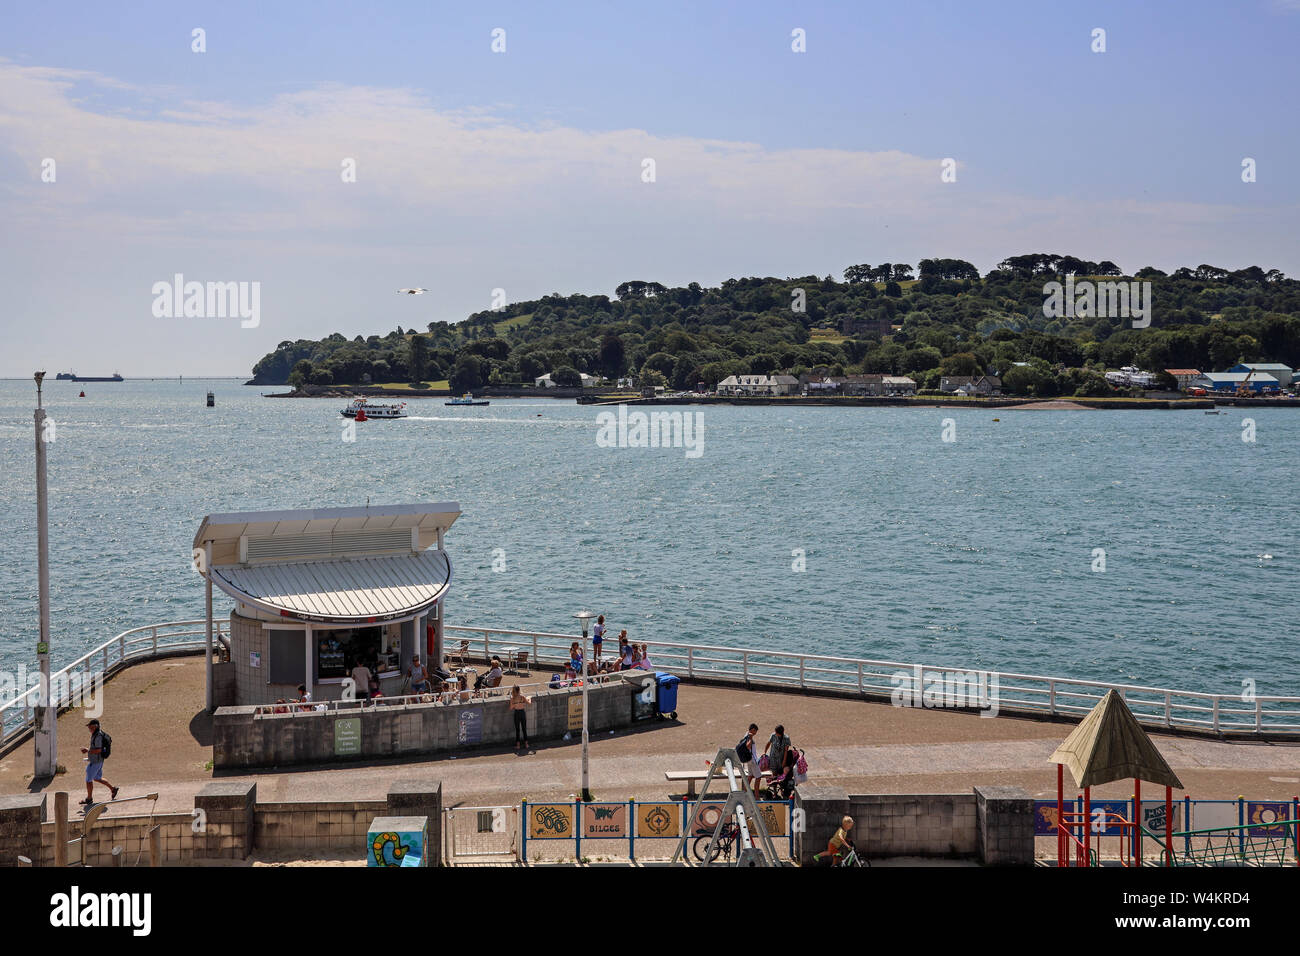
994, 825
231, 826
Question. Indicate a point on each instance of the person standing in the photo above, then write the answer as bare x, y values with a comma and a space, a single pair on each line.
598, 637
361, 678
96, 754
518, 703
419, 677
777, 745
747, 751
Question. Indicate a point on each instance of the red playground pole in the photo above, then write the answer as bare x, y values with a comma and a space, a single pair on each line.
1137, 812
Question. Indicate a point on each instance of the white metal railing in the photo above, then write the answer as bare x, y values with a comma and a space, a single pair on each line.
1015, 693
77, 680
448, 695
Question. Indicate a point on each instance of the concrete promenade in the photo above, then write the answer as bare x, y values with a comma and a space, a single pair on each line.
162, 741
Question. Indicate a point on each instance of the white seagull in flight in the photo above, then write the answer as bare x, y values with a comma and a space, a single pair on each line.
412, 291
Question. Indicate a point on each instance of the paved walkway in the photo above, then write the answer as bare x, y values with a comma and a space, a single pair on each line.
162, 741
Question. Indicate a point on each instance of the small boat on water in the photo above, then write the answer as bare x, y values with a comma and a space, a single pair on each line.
466, 399
363, 410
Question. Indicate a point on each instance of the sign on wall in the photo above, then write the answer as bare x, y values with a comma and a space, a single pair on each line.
604, 821
1153, 817
469, 726
575, 712
550, 821
658, 820
254, 658
347, 736
1268, 812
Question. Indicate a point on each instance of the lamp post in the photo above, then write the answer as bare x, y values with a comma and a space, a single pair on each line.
585, 617
46, 745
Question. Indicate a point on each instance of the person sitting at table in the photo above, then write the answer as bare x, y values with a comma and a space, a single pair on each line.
492, 678
419, 677
464, 689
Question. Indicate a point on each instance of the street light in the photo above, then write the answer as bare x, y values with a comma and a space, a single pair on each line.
45, 743
585, 617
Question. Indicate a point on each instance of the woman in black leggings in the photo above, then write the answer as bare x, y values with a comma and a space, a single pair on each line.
518, 703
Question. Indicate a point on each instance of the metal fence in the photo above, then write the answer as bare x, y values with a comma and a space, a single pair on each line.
1011, 692
73, 683
480, 833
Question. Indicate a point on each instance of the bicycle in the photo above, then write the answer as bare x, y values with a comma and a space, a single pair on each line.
727, 838
852, 859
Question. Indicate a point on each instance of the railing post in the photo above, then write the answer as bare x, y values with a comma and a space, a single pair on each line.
1168, 721
154, 634
744, 664
1259, 715
801, 663
690, 662
1216, 714
487, 652
1051, 696
859, 682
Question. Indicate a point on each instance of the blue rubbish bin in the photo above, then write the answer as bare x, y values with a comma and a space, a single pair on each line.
666, 688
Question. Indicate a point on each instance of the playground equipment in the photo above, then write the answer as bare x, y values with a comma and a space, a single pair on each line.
754, 845
1109, 744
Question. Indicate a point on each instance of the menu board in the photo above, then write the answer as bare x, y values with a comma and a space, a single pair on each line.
329, 658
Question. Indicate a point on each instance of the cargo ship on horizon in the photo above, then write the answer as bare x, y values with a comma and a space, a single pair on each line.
74, 377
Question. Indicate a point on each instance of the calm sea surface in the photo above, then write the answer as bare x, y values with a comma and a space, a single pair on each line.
976, 553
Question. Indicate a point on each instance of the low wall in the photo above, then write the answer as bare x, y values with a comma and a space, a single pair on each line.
994, 825
242, 740
227, 824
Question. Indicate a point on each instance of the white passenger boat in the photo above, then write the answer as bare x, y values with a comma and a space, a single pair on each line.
374, 410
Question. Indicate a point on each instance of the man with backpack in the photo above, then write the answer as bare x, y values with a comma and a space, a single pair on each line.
745, 751
101, 746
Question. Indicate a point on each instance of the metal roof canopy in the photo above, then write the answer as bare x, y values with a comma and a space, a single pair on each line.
1109, 744
343, 565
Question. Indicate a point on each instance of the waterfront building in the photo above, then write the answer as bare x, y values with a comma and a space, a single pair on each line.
1188, 378
1284, 374
545, 381
1231, 381
319, 589
971, 384
898, 385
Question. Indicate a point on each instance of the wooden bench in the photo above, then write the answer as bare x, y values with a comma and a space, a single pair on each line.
691, 777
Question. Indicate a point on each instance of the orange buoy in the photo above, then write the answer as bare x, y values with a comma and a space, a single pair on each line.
361, 415
82, 395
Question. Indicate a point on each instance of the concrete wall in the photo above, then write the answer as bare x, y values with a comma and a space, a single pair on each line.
241, 740
916, 824
21, 817
994, 825
175, 831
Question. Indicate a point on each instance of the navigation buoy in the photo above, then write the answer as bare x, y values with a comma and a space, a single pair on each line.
361, 415
82, 395
997, 419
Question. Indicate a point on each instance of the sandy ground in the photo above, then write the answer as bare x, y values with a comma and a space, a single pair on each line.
162, 741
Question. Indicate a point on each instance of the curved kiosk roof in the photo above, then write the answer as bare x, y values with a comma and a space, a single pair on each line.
337, 565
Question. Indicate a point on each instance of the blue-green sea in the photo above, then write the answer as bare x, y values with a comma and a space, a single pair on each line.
978, 552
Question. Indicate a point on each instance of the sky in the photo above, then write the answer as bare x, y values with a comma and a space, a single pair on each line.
128, 157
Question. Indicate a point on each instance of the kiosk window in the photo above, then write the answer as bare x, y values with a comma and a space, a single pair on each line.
338, 651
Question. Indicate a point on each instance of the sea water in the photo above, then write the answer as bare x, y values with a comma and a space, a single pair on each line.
1149, 547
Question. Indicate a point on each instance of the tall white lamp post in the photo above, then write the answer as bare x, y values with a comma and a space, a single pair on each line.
46, 746
585, 617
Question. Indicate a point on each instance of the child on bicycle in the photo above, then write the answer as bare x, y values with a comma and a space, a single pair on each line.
838, 845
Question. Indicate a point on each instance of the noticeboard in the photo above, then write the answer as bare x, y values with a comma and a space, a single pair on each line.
469, 726
347, 736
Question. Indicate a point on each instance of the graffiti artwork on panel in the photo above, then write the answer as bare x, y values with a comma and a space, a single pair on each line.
657, 820
1045, 818
550, 821
774, 815
604, 821
1153, 817
396, 848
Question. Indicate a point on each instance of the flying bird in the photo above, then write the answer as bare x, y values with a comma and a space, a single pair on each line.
412, 291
